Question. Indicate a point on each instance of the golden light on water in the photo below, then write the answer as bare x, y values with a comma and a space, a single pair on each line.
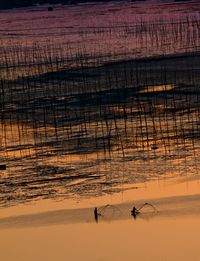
99, 132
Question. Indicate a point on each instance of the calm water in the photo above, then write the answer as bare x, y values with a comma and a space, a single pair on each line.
93, 143
99, 104
73, 124
172, 233
145, 240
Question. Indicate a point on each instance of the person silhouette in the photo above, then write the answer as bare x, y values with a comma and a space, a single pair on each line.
135, 212
96, 215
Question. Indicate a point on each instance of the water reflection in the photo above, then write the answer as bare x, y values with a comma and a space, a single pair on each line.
158, 208
111, 132
158, 239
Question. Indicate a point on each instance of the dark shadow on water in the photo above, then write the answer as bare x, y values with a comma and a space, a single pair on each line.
86, 132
